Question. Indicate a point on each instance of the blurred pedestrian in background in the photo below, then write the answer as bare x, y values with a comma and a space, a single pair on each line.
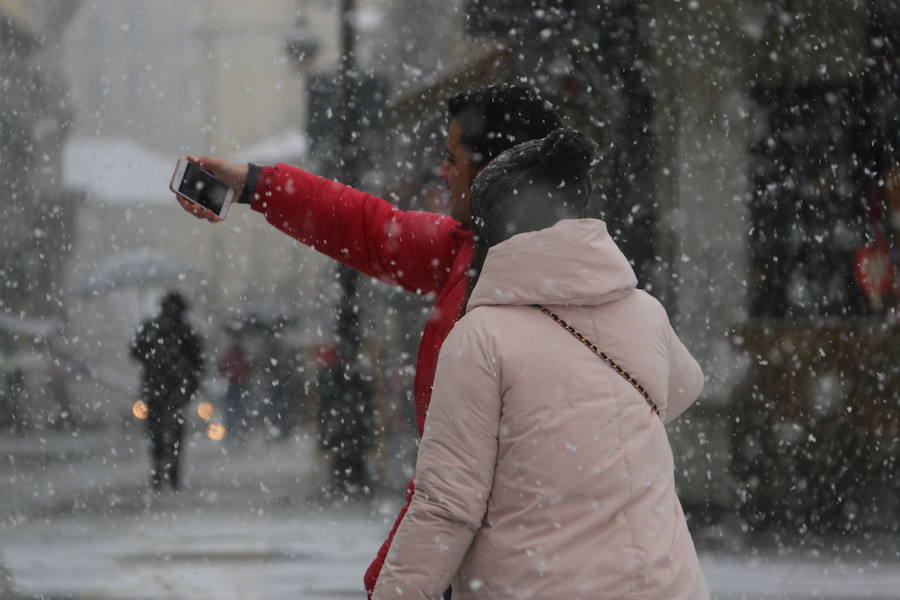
235, 367
281, 384
171, 356
12, 395
289, 400
344, 434
545, 470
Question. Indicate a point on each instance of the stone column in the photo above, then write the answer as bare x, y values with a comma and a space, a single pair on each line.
703, 194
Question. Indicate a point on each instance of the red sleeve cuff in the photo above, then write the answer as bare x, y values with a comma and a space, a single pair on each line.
265, 179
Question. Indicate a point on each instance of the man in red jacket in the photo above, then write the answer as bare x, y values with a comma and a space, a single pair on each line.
425, 253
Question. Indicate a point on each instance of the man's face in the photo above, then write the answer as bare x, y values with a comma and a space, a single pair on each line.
459, 172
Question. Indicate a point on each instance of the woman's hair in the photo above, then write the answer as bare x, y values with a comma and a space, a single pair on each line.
529, 187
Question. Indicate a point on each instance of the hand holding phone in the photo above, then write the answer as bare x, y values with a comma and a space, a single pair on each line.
201, 192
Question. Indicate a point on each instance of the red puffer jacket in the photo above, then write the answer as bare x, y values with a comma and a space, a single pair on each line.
421, 252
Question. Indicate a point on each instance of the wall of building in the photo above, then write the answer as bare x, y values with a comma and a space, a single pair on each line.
707, 55
35, 119
701, 120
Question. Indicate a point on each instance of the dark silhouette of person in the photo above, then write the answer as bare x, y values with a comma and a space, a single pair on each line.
171, 356
235, 366
345, 425
12, 398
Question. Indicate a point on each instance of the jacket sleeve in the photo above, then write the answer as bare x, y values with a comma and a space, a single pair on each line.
414, 250
454, 473
374, 569
685, 377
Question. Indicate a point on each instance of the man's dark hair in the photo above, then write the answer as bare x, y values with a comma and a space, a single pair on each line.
497, 117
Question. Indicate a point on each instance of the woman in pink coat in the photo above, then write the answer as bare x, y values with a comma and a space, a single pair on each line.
545, 471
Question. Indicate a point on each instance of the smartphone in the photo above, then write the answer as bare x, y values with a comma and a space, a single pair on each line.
200, 187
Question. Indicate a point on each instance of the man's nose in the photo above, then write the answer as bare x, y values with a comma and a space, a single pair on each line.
443, 169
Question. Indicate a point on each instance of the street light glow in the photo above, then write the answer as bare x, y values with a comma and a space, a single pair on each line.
215, 431
139, 409
205, 410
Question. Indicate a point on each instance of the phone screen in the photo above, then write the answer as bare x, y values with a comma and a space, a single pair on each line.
203, 188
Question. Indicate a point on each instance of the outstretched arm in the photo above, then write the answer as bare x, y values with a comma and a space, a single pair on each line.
408, 248
412, 249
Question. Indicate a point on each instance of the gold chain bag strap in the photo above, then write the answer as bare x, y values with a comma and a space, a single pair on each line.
653, 408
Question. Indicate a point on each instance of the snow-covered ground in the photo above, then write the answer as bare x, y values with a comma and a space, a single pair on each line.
76, 522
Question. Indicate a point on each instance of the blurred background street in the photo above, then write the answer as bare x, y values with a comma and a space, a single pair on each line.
77, 521
750, 170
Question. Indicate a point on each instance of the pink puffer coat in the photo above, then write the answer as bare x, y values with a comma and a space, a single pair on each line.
543, 473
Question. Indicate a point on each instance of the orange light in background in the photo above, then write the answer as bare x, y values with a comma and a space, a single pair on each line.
205, 410
215, 431
139, 409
